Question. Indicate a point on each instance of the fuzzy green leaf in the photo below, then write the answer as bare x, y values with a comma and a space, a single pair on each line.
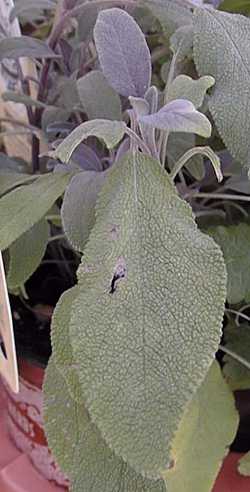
75, 441
10, 180
229, 63
237, 339
203, 438
235, 244
26, 253
111, 132
99, 100
78, 209
244, 465
25, 206
142, 344
184, 87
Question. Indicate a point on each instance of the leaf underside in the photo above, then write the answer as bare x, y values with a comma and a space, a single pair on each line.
143, 344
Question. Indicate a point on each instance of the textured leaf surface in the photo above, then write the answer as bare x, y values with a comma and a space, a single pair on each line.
73, 438
17, 47
237, 339
184, 87
78, 209
23, 207
99, 100
171, 14
9, 180
235, 244
26, 253
179, 116
229, 63
123, 52
109, 131
203, 438
142, 344
244, 465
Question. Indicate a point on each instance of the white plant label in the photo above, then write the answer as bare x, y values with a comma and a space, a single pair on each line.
8, 361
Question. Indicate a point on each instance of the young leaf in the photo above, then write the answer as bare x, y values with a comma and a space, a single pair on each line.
20, 46
98, 99
78, 209
237, 339
75, 441
32, 245
179, 116
111, 132
181, 42
171, 14
147, 320
123, 52
231, 36
26, 205
184, 87
202, 441
234, 241
244, 465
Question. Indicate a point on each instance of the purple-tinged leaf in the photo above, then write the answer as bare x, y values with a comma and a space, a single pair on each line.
179, 116
19, 46
123, 52
24, 6
86, 158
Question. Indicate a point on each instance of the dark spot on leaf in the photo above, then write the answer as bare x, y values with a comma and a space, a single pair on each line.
119, 273
114, 232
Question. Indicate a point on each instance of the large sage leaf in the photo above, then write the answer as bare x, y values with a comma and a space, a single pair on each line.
99, 100
123, 52
74, 439
32, 246
78, 209
109, 131
234, 241
204, 436
229, 63
25, 206
147, 320
10, 180
19, 46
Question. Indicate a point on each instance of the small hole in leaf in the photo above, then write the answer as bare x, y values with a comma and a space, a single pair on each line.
119, 273
3, 349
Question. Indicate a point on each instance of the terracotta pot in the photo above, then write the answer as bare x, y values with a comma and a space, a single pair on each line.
25, 423
229, 479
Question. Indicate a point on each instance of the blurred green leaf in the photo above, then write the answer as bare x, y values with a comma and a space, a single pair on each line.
26, 253
202, 441
25, 206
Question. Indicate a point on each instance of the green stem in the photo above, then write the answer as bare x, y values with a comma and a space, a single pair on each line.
207, 152
220, 196
235, 356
